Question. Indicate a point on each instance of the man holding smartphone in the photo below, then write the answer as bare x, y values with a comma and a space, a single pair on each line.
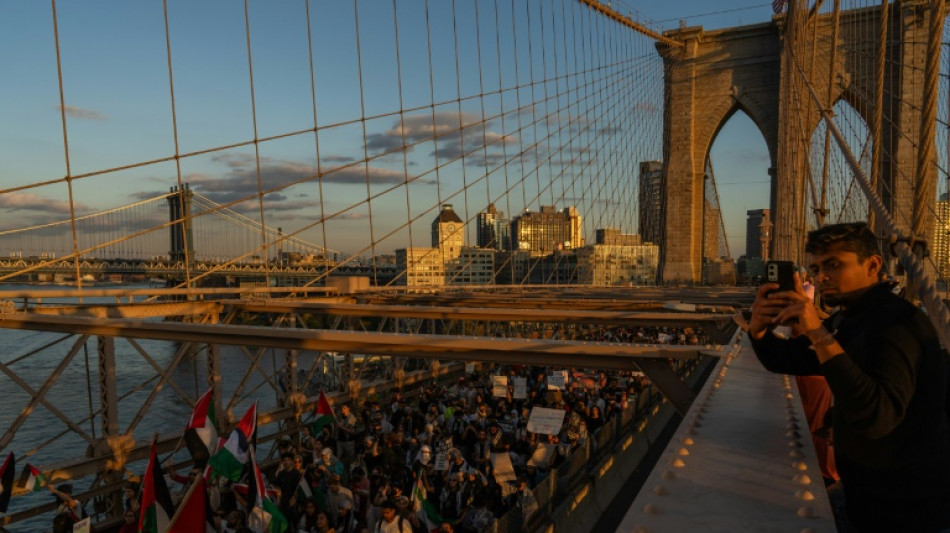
887, 372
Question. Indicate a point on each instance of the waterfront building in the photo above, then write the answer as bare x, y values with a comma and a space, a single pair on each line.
650, 215
618, 264
473, 266
540, 233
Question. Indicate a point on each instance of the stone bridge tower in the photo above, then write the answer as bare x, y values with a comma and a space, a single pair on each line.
749, 68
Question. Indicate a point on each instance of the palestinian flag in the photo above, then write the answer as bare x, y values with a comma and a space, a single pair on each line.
323, 415
6, 481
229, 461
201, 433
35, 480
157, 507
191, 516
263, 514
428, 511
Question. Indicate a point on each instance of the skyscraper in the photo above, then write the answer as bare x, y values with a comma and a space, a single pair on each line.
941, 249
548, 230
493, 230
651, 220
753, 232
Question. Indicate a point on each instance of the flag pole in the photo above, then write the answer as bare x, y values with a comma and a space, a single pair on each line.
185, 499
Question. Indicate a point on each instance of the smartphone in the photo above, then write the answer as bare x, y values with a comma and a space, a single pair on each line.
781, 272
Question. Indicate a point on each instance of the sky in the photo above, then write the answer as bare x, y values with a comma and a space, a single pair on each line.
118, 112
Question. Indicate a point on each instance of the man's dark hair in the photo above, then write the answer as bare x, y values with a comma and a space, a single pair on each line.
854, 237
287, 455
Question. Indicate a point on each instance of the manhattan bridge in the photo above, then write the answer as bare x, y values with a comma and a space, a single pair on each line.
229, 212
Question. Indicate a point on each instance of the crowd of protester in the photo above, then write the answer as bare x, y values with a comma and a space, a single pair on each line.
380, 464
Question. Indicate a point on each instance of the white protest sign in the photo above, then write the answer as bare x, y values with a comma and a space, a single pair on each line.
83, 526
469, 368
556, 381
504, 472
521, 388
499, 386
545, 420
441, 462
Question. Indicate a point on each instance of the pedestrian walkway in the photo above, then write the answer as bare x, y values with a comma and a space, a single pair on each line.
742, 460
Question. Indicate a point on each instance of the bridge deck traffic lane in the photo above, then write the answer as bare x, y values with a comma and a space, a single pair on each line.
742, 460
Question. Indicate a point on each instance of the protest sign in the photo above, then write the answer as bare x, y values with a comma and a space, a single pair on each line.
83, 526
520, 391
499, 386
504, 472
545, 420
556, 381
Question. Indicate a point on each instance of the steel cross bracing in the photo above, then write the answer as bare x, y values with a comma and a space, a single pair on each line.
392, 336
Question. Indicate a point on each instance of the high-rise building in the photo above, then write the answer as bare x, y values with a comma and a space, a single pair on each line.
651, 219
753, 231
493, 230
543, 232
941, 251
448, 233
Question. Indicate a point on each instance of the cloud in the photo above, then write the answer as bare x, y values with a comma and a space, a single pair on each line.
241, 178
80, 113
15, 201
337, 159
456, 132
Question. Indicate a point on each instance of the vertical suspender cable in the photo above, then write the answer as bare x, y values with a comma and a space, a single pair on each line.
257, 146
181, 185
925, 150
405, 153
68, 178
316, 142
369, 191
877, 149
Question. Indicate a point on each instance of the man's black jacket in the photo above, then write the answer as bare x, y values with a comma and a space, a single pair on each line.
891, 431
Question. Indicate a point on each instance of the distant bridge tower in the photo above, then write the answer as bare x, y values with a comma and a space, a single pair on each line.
181, 239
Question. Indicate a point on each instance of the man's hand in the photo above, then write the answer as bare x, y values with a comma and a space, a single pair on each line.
764, 310
801, 312
793, 308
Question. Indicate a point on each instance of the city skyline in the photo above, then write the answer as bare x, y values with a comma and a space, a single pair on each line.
117, 112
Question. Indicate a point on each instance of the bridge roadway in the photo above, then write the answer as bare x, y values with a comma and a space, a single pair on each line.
741, 460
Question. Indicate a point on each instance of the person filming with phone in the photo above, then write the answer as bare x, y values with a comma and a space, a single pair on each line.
887, 372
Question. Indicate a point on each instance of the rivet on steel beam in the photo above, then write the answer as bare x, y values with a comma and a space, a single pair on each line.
687, 441
678, 463
651, 509
796, 454
660, 490
794, 444
806, 511
805, 495
668, 475
800, 465
802, 479
792, 434
682, 451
